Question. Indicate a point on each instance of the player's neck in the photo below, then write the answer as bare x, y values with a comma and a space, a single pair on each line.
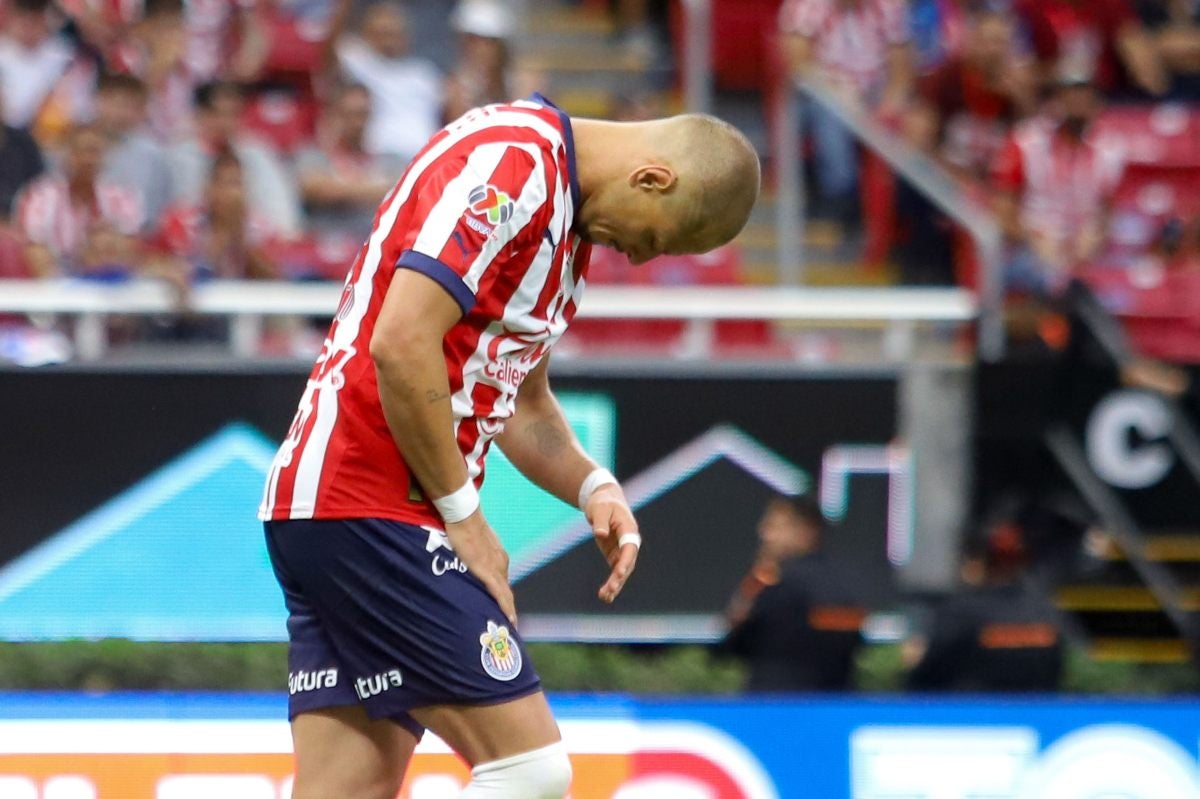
604, 152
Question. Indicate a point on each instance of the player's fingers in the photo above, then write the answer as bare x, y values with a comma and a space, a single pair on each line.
602, 520
509, 606
624, 567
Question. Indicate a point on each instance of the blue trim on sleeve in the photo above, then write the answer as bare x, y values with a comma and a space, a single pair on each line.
441, 274
569, 140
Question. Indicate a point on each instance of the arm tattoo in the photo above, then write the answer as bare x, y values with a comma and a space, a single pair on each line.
433, 395
550, 440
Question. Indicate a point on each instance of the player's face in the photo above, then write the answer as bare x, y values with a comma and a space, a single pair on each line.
641, 221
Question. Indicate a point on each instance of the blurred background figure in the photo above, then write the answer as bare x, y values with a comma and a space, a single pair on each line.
133, 158
221, 236
20, 162
481, 76
1174, 27
1054, 183
998, 634
795, 619
977, 97
33, 57
75, 222
155, 51
1102, 37
406, 91
341, 182
271, 190
861, 50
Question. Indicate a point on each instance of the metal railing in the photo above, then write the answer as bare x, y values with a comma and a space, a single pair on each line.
248, 303
917, 168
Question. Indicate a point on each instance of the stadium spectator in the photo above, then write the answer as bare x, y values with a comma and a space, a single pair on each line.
340, 181
225, 39
1174, 26
73, 221
221, 237
999, 634
406, 91
939, 32
796, 618
1100, 37
33, 57
154, 51
861, 50
270, 188
481, 77
977, 97
133, 158
1054, 183
20, 162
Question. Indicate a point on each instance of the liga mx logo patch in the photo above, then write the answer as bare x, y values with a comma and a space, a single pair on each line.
487, 200
500, 656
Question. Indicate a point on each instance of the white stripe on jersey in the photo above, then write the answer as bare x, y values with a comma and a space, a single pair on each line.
312, 459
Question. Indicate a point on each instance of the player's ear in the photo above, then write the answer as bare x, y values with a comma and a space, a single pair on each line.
653, 177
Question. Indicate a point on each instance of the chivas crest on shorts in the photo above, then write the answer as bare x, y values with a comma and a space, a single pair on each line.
500, 656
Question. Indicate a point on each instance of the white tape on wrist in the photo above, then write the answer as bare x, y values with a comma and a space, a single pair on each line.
459, 505
597, 478
630, 538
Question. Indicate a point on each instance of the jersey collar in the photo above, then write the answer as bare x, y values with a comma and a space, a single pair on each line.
569, 140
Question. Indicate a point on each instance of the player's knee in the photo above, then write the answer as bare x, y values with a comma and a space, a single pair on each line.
541, 774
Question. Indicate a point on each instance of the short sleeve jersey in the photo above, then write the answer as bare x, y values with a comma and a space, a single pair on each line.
486, 210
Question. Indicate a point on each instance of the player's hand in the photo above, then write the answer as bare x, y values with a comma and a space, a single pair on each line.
476, 544
611, 518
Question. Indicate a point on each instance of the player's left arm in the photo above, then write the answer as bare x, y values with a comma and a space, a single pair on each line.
541, 444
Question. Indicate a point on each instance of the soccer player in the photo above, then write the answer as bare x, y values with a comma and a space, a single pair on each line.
401, 617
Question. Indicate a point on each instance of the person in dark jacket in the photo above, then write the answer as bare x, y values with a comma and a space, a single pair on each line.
999, 635
795, 618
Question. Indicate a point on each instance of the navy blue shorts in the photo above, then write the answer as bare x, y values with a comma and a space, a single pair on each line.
382, 613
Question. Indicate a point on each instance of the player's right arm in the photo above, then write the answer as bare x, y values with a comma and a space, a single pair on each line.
414, 390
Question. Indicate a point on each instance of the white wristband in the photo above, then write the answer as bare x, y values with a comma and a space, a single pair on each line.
459, 505
630, 538
597, 478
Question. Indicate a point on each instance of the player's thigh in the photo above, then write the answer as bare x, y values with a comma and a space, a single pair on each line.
483, 733
341, 752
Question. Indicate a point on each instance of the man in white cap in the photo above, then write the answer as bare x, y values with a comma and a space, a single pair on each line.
482, 75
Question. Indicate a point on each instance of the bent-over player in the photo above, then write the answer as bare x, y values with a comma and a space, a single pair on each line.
474, 269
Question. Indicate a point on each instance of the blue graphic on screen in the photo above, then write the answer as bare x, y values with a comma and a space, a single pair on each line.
180, 555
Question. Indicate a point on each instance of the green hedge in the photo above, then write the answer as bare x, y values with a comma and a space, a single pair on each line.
116, 664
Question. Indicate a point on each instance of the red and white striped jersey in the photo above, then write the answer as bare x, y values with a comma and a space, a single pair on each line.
485, 209
850, 40
47, 215
1064, 184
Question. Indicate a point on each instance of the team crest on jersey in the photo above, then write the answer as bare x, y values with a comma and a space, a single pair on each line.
500, 656
487, 200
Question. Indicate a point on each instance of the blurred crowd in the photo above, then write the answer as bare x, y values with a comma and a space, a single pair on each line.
1078, 121
219, 138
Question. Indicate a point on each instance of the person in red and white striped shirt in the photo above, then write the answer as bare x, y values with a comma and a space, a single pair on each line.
401, 617
860, 49
1055, 180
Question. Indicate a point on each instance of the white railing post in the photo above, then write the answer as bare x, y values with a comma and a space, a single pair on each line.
697, 55
245, 333
790, 211
91, 336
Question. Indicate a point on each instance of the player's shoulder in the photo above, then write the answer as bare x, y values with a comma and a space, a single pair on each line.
530, 124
